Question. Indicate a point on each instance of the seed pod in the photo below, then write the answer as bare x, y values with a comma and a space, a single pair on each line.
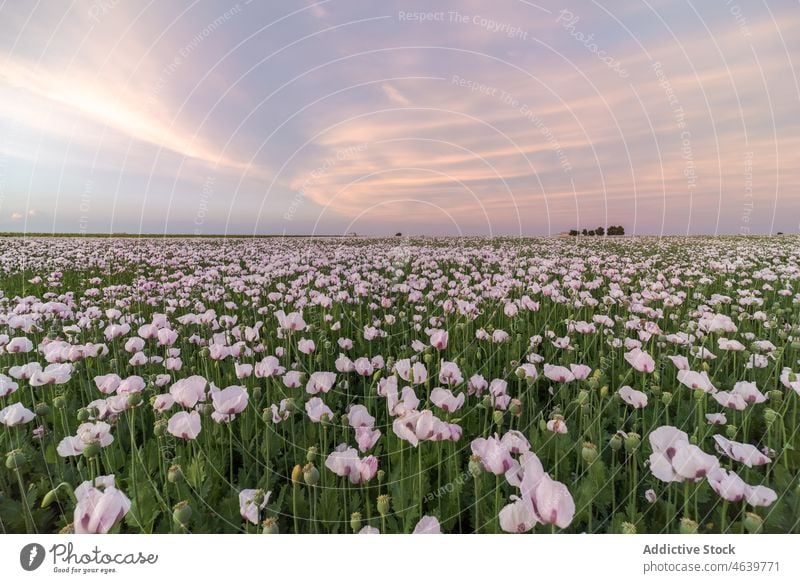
269, 526
589, 452
182, 514
91, 451
175, 474
627, 528
355, 522
688, 526
753, 522
311, 454
310, 474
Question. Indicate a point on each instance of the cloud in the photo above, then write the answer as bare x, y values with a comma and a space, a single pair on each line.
394, 95
15, 216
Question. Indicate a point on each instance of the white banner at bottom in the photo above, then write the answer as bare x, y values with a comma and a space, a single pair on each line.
408, 558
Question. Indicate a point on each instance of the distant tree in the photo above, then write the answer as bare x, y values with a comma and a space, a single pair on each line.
620, 230
584, 232
780, 232
600, 231
590, 233
573, 232
398, 234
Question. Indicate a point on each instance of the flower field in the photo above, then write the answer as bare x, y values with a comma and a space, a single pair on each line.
399, 385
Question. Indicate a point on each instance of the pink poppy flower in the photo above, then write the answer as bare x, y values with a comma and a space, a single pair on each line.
730, 400
494, 455
450, 374
696, 380
557, 425
292, 379
745, 453
749, 392
445, 400
634, 398
320, 382
187, 392
680, 362
439, 339
316, 409
640, 360
251, 503
15, 415
184, 425
428, 525
230, 400
100, 506
558, 374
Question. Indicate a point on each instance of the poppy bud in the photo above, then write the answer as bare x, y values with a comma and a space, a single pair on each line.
91, 450
311, 454
520, 373
615, 442
775, 396
160, 428
706, 366
487, 402
112, 364
59, 402
204, 353
632, 441
688, 526
383, 504
389, 363
655, 390
666, 398
497, 417
256, 393
381, 476
310, 474
297, 473
475, 467
69, 529
515, 407
627, 528
16, 460
693, 439
427, 358
753, 522
699, 395
83, 415
269, 526
730, 431
318, 359
266, 415
42, 409
542, 425
344, 420
770, 416
604, 391
175, 474
134, 399
589, 452
182, 514
355, 522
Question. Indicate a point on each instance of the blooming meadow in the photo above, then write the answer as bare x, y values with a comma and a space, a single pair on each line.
399, 386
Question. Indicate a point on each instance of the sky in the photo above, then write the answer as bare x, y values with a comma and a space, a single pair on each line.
427, 117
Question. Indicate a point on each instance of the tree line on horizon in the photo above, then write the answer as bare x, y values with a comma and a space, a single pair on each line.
599, 231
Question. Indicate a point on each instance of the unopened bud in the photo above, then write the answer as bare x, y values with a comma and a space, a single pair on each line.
688, 526
475, 467
297, 473
91, 450
753, 522
311, 454
627, 528
16, 460
666, 397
